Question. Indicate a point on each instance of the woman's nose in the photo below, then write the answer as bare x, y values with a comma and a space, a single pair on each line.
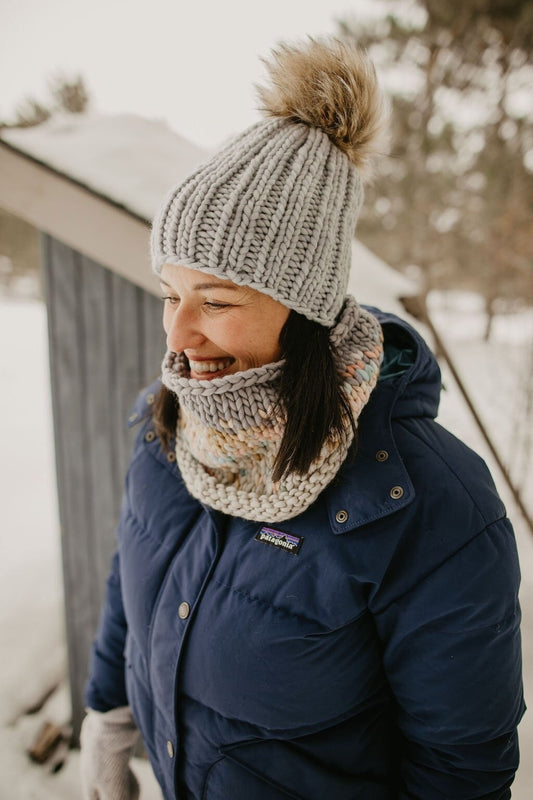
183, 330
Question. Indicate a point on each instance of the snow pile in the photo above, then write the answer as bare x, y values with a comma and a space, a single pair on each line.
31, 616
32, 639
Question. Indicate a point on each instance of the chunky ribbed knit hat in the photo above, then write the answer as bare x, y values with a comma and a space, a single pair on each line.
276, 208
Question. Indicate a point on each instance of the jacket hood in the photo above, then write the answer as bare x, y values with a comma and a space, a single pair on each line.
409, 366
409, 387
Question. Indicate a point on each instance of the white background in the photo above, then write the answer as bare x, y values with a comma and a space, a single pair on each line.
191, 63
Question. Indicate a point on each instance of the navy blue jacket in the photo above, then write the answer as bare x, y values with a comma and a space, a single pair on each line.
368, 648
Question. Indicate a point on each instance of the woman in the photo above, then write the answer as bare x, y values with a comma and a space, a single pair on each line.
315, 588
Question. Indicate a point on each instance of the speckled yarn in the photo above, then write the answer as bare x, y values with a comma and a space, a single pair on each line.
228, 432
274, 210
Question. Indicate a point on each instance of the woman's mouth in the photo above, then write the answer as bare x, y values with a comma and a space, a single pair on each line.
209, 369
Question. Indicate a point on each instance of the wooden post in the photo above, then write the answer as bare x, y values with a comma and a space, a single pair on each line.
106, 343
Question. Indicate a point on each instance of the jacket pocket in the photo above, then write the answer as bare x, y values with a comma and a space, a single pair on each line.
228, 778
276, 770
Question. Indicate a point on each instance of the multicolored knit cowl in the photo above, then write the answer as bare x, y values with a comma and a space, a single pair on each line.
229, 429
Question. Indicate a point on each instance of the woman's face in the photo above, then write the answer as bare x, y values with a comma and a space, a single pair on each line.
222, 328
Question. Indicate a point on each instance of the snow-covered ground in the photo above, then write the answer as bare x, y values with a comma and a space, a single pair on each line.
32, 641
33, 659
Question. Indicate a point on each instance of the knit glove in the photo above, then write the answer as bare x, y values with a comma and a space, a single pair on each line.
107, 740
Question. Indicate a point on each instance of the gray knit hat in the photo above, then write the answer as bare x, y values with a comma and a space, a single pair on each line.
276, 208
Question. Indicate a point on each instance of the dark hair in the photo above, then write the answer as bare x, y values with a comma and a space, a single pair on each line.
310, 397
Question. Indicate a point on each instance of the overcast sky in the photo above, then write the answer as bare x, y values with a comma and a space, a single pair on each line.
192, 63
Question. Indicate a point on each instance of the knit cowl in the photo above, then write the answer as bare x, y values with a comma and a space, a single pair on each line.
229, 429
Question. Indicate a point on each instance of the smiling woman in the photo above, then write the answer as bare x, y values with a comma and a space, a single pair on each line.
221, 328
290, 615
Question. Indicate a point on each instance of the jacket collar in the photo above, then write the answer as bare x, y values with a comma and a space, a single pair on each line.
382, 482
378, 475
383, 485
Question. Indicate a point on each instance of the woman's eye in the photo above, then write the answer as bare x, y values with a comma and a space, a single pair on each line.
172, 300
215, 306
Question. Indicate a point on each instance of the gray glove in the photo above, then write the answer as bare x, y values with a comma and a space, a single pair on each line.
107, 740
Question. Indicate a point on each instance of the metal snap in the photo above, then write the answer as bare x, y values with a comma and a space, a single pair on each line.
149, 436
184, 610
382, 455
170, 749
341, 516
150, 398
171, 456
396, 492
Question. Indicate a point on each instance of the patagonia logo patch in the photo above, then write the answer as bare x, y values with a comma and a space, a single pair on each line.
283, 541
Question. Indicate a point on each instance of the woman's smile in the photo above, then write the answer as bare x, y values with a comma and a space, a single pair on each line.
207, 368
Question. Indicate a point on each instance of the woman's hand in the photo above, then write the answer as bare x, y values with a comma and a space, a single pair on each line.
107, 740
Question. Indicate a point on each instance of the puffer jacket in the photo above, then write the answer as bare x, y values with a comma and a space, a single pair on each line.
368, 648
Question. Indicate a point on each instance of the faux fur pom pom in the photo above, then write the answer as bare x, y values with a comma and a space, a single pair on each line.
328, 84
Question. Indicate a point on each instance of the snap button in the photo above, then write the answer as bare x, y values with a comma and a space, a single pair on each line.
149, 436
170, 749
171, 456
133, 417
382, 455
341, 516
150, 398
184, 610
396, 492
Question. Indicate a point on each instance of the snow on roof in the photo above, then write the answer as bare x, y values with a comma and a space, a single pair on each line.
134, 162
130, 160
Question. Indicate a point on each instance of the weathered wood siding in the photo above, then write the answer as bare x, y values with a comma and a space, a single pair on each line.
106, 342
